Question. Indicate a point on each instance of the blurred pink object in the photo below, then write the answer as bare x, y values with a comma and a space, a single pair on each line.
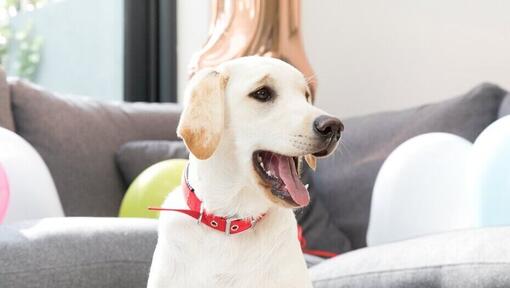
32, 192
255, 27
4, 193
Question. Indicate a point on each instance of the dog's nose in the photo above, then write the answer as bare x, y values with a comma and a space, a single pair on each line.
327, 126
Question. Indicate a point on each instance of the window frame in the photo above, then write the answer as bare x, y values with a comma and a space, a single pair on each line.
150, 51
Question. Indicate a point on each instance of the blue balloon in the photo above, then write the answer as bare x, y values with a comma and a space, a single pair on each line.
489, 173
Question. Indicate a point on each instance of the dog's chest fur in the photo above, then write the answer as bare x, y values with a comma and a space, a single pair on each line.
193, 255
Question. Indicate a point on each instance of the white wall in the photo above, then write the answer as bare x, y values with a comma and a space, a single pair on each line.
374, 55
193, 24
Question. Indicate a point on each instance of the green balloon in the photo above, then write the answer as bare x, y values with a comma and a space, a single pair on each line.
151, 187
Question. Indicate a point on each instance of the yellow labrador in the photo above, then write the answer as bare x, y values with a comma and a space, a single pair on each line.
248, 124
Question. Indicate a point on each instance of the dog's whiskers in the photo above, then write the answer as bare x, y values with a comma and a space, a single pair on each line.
310, 78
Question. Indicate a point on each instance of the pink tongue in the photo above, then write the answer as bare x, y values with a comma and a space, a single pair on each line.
287, 172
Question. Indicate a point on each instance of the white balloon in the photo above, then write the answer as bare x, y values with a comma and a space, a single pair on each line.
420, 189
32, 191
489, 173
4, 193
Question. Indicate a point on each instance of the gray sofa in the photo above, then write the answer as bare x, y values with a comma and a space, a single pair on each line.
79, 140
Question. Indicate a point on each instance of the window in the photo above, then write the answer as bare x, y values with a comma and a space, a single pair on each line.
69, 46
107, 50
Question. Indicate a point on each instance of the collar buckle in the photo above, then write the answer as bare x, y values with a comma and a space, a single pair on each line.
227, 226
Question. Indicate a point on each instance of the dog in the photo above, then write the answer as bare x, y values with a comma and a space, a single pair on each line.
248, 124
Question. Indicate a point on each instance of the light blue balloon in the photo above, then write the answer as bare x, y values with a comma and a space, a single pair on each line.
489, 173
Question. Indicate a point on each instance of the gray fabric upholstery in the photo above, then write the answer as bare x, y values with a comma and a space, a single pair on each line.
134, 157
6, 120
460, 259
344, 181
504, 110
319, 229
78, 138
77, 252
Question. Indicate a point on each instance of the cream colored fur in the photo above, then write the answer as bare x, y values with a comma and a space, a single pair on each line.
222, 127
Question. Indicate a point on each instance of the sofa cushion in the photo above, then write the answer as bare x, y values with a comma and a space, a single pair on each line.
316, 222
80, 252
135, 156
468, 258
77, 252
505, 107
344, 181
6, 120
319, 230
78, 138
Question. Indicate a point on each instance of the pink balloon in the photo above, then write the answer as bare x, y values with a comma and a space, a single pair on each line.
4, 193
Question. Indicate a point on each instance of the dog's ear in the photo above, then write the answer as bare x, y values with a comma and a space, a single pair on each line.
202, 121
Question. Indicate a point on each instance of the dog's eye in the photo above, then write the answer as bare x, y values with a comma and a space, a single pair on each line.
263, 94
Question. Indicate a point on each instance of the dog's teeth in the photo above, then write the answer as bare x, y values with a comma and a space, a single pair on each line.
306, 186
262, 165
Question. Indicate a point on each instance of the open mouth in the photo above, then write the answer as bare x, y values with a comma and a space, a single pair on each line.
281, 173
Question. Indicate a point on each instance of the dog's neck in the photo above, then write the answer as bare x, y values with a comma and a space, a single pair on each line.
223, 189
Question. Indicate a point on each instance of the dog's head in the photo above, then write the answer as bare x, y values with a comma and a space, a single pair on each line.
258, 110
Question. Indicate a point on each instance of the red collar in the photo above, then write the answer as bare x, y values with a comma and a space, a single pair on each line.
220, 223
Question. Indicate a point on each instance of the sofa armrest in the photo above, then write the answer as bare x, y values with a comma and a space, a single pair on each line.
77, 252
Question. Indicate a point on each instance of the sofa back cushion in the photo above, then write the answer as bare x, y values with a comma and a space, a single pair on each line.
505, 107
6, 120
344, 181
134, 157
78, 138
